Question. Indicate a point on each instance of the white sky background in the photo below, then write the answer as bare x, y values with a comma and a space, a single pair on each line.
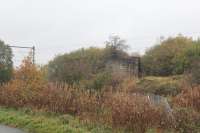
58, 26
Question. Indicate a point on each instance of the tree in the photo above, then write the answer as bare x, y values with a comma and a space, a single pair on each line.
168, 57
116, 47
193, 63
87, 67
6, 64
79, 65
193, 73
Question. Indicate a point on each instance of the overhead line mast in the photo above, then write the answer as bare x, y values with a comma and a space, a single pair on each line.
32, 48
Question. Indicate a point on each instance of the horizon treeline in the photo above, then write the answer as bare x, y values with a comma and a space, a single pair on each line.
172, 56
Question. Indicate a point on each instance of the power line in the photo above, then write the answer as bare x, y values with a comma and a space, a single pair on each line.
22, 47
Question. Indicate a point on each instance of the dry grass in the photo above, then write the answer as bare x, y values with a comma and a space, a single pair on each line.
136, 113
187, 120
190, 97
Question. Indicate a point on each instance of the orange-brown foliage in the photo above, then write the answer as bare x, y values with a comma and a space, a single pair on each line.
135, 112
119, 108
27, 82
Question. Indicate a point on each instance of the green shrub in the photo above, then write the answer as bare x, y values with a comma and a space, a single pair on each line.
99, 81
167, 58
193, 70
165, 86
193, 74
79, 65
6, 64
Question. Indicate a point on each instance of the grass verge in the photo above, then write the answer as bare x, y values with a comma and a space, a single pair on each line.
40, 122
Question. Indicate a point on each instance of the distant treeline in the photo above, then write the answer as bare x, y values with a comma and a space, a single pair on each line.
172, 56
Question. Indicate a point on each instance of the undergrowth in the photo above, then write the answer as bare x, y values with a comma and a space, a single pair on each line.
42, 122
120, 107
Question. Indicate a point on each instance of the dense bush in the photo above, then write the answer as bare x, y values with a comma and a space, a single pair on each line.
163, 86
193, 69
28, 88
28, 80
75, 66
6, 64
137, 113
192, 74
83, 68
117, 109
97, 82
167, 58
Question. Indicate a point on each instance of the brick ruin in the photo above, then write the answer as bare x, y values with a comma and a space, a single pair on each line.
130, 66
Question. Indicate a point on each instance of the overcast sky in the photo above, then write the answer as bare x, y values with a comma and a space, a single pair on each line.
58, 26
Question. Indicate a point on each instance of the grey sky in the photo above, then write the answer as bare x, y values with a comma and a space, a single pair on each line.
58, 26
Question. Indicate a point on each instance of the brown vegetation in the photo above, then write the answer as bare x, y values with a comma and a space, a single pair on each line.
136, 112
118, 107
190, 97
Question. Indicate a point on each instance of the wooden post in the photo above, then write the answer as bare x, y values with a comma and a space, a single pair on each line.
33, 54
32, 48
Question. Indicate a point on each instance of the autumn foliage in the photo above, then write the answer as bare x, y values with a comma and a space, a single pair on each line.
118, 107
189, 98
